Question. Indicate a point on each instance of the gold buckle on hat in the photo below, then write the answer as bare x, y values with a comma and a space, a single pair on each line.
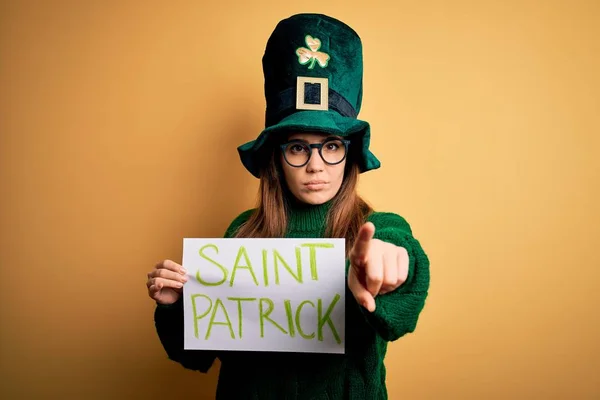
301, 105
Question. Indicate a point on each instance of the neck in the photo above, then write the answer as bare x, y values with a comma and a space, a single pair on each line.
303, 217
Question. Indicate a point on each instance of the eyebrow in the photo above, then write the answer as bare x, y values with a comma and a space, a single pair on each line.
322, 141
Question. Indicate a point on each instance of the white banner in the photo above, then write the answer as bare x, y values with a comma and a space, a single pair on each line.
265, 294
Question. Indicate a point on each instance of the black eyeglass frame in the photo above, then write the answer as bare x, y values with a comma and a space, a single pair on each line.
319, 146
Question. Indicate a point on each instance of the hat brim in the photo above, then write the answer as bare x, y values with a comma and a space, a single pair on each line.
328, 122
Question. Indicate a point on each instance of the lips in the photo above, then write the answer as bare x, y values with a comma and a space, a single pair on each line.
315, 185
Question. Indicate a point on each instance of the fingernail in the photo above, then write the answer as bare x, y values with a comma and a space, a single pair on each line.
179, 284
185, 279
183, 271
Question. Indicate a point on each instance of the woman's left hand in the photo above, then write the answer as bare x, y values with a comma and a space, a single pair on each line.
376, 267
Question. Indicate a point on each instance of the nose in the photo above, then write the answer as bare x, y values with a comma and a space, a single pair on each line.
316, 163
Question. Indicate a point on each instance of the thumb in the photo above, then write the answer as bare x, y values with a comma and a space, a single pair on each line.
361, 294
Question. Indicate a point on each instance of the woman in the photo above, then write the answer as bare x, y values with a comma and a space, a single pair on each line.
308, 159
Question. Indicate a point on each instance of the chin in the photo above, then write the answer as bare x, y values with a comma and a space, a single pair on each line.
315, 198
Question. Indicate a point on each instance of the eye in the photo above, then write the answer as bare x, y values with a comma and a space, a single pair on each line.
296, 148
332, 146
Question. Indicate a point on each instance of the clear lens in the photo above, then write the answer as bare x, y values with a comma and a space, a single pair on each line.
297, 153
333, 151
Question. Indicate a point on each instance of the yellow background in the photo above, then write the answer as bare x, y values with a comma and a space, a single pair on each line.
119, 123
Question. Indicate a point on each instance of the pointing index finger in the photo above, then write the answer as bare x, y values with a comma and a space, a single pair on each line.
361, 245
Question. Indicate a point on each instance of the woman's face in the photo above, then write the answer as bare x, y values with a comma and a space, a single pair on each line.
316, 182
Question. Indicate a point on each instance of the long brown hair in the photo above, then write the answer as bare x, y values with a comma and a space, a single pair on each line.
346, 215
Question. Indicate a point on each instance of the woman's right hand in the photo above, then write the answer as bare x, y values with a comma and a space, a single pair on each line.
165, 282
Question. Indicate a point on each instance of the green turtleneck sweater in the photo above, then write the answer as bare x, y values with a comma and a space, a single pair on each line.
359, 374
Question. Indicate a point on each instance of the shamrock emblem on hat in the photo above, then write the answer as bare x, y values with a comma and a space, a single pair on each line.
312, 54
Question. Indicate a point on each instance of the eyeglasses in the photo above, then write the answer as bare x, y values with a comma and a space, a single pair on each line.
297, 153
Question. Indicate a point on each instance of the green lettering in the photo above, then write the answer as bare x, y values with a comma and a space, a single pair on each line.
313, 257
222, 268
322, 319
265, 316
195, 311
290, 318
298, 275
239, 307
298, 310
247, 265
265, 274
213, 322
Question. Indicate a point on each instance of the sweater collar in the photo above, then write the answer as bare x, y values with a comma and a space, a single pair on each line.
304, 217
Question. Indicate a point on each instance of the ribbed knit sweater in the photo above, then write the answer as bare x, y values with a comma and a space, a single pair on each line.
359, 374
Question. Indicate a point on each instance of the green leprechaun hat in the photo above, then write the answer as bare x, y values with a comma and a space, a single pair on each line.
313, 83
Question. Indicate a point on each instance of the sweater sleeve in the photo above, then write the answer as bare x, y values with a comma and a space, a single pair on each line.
397, 312
169, 324
168, 320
